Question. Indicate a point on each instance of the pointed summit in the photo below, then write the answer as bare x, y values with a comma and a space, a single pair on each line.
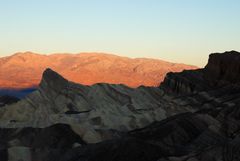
52, 80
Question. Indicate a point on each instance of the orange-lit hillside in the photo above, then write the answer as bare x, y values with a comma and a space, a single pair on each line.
23, 70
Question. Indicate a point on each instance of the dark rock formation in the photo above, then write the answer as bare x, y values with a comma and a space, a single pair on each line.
39, 143
186, 82
7, 100
52, 81
223, 69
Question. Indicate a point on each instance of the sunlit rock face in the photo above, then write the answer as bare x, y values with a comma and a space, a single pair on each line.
24, 70
191, 116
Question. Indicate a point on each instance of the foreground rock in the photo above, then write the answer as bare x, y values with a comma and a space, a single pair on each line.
192, 116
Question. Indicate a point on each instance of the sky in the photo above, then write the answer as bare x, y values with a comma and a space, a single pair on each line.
183, 31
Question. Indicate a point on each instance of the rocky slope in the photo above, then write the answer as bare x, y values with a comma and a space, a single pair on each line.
95, 112
192, 116
24, 70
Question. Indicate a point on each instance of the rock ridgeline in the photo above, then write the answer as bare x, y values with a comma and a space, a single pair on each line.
193, 116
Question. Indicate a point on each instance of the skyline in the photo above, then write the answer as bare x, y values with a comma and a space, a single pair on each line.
182, 32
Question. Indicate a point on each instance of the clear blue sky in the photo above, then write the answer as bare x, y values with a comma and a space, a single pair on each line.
176, 30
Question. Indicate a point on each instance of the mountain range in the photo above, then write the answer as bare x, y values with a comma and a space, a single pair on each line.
192, 116
24, 70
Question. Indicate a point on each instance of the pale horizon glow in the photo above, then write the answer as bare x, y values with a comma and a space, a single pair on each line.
185, 31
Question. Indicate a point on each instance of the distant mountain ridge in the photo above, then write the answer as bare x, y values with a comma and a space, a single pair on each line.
24, 70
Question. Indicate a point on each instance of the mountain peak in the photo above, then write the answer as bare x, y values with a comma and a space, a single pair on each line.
51, 79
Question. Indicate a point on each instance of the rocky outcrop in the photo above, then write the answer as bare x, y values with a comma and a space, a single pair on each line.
24, 70
186, 82
191, 117
223, 69
37, 143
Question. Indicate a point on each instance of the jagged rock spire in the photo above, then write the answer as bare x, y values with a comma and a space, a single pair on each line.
53, 80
